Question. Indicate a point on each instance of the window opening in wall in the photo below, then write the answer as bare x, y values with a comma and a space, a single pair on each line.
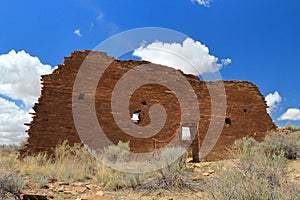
185, 133
245, 110
81, 96
144, 103
136, 117
228, 121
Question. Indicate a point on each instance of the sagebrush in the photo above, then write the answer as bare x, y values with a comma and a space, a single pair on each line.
260, 172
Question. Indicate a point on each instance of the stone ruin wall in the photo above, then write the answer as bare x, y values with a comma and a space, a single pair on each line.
53, 118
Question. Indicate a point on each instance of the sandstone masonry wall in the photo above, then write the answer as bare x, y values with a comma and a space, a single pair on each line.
53, 120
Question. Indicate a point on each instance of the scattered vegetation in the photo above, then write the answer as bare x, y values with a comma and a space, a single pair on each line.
69, 163
76, 163
288, 144
169, 176
261, 171
291, 127
11, 185
8, 149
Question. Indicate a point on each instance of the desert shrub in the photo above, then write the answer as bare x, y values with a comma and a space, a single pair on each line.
34, 166
73, 163
174, 169
174, 161
9, 149
292, 127
256, 175
278, 142
274, 144
11, 184
171, 162
113, 179
172, 172
40, 180
8, 155
116, 153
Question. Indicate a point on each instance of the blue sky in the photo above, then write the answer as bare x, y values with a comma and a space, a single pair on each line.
262, 38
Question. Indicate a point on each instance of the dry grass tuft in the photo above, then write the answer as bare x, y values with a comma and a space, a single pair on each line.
69, 163
76, 163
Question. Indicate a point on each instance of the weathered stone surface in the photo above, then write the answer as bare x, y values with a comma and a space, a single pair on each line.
53, 121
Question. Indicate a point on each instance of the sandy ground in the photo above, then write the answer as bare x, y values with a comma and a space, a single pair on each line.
91, 191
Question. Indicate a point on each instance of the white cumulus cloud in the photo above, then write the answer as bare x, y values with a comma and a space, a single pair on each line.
226, 61
77, 32
191, 56
291, 114
12, 119
205, 3
273, 101
20, 76
19, 80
